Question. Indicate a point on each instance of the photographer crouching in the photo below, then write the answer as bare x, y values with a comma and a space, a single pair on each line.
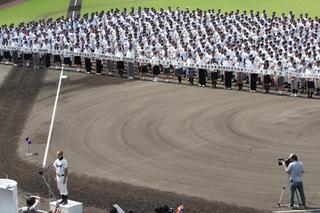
295, 169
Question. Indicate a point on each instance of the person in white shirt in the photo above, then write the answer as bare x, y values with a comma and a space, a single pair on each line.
294, 80
87, 59
61, 176
14, 52
130, 55
98, 51
166, 66
36, 55
266, 78
240, 74
109, 61
155, 66
202, 72
46, 46
310, 81
66, 56
228, 73
190, 69
27, 54
77, 57
143, 65
280, 78
179, 68
120, 62
317, 81
56, 56
250, 64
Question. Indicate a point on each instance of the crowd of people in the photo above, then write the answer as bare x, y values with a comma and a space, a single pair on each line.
167, 41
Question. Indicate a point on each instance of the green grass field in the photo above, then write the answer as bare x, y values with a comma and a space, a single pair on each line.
280, 6
34, 10
37, 9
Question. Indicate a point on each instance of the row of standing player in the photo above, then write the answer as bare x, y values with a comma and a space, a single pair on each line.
294, 83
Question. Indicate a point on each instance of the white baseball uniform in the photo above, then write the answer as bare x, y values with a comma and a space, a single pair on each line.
60, 166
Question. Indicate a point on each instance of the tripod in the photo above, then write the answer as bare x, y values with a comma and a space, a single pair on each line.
41, 173
282, 192
46, 182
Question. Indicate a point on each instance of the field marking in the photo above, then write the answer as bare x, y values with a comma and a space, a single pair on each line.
74, 6
297, 210
52, 120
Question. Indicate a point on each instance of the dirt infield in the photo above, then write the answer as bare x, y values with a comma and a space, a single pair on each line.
9, 3
212, 144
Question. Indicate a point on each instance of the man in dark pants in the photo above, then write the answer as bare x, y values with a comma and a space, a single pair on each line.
98, 51
14, 51
120, 62
253, 82
87, 59
266, 83
202, 73
228, 73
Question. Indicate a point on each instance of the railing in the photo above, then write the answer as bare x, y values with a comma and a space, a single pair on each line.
209, 67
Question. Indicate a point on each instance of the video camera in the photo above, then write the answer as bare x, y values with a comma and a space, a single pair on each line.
286, 162
164, 209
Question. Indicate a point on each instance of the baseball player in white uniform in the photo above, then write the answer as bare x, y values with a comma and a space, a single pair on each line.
61, 175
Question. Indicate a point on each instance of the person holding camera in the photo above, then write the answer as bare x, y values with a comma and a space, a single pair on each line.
295, 170
61, 176
32, 204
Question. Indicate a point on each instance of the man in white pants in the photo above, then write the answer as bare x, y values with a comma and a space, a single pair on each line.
61, 175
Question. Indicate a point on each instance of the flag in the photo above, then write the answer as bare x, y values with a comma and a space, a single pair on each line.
28, 140
180, 209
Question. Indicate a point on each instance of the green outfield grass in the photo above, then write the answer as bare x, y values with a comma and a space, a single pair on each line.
34, 10
38, 9
279, 6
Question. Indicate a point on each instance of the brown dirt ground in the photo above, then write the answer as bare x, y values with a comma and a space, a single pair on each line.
143, 144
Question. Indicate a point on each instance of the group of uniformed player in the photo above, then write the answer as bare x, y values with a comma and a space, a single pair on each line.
243, 40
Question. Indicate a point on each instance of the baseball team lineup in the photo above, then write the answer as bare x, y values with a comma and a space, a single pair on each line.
100, 112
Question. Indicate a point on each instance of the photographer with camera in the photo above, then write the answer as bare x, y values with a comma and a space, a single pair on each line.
295, 169
32, 203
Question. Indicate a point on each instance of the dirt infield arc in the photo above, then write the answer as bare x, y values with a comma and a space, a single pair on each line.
213, 144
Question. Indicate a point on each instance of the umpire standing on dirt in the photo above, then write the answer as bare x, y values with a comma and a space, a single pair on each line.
61, 175
295, 170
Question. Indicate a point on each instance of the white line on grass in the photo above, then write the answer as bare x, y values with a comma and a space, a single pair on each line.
75, 4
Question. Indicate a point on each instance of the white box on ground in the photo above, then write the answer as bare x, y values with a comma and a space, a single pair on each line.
8, 196
71, 207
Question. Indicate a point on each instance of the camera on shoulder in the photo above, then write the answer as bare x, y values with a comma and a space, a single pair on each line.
283, 161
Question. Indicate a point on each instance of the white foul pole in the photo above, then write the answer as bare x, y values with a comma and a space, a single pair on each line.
52, 120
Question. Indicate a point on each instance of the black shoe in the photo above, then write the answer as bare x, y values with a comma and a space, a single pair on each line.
65, 200
62, 199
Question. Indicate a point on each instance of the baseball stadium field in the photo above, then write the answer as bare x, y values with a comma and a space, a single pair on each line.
144, 144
